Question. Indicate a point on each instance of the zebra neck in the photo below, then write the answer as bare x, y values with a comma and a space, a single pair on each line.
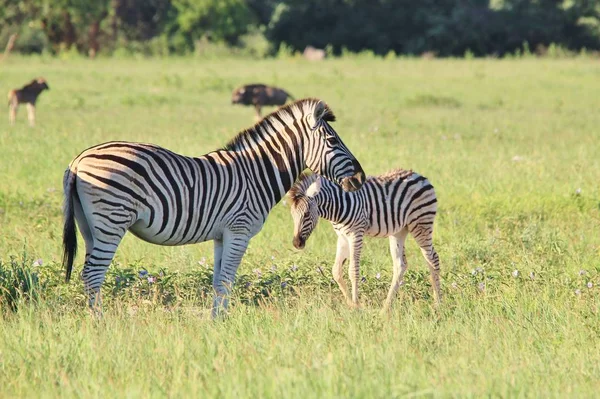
277, 157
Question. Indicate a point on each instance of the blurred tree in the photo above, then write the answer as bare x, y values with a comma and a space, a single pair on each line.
262, 9
65, 21
140, 19
217, 20
445, 27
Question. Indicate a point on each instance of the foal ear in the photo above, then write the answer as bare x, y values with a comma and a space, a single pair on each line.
314, 188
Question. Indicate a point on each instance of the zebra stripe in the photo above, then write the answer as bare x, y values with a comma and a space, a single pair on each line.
391, 205
169, 199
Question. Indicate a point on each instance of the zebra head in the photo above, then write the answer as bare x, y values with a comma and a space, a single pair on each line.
327, 155
304, 208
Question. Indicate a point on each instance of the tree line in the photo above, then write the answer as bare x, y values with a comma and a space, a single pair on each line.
441, 27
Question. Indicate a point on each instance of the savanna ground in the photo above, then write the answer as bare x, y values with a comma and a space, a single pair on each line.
511, 146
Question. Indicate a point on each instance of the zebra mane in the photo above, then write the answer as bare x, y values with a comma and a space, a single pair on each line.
298, 191
284, 112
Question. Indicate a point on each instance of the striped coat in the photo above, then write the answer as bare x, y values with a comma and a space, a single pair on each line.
391, 205
225, 196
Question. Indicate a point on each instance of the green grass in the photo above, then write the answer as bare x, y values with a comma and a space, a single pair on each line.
511, 146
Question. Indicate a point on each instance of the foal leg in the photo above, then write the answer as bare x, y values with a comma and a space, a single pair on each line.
337, 270
355, 243
424, 237
399, 258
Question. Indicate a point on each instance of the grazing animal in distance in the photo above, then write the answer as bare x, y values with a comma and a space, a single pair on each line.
391, 205
259, 95
28, 95
226, 195
314, 54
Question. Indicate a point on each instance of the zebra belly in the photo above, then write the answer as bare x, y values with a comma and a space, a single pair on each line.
141, 230
385, 227
385, 232
143, 234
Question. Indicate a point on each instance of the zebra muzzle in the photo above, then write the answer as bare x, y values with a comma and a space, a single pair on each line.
354, 182
299, 242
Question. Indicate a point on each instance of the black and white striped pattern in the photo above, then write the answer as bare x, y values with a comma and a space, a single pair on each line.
391, 205
169, 199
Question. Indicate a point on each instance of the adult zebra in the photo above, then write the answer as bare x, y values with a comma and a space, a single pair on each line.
169, 199
391, 205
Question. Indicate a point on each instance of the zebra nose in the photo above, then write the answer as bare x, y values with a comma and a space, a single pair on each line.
357, 180
359, 177
354, 182
299, 242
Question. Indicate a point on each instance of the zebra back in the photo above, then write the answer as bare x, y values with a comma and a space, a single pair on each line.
386, 203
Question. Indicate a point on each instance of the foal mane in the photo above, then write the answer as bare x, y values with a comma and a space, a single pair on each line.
298, 191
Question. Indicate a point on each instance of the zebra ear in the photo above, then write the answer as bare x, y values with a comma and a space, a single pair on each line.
318, 114
314, 188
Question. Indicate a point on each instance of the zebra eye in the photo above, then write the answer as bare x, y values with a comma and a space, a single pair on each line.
331, 140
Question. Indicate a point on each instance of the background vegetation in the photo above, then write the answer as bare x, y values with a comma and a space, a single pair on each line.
262, 27
511, 146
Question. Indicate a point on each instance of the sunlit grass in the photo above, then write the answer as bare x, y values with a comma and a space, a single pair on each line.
511, 146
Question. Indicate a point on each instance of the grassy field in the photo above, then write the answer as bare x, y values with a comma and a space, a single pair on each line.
511, 146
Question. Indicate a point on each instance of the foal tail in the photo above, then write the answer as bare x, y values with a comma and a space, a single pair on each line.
69, 233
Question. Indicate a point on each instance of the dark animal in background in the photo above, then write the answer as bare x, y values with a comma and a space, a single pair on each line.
28, 95
259, 95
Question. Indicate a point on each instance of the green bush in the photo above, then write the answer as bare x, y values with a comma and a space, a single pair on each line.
30, 39
19, 281
447, 28
259, 28
220, 21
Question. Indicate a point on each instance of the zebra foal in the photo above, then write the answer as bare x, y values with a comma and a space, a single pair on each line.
225, 196
391, 205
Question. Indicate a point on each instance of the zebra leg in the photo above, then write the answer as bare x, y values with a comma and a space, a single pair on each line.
423, 236
337, 270
399, 258
84, 229
98, 259
234, 247
102, 237
355, 242
218, 251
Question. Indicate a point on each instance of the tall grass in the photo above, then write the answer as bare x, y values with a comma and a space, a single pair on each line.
511, 147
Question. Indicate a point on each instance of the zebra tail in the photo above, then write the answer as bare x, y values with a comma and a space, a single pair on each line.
69, 233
